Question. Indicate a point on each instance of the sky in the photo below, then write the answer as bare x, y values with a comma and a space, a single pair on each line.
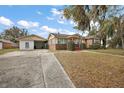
40, 20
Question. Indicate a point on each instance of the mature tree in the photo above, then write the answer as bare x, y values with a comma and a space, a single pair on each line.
115, 30
0, 37
13, 33
106, 30
122, 31
83, 14
93, 31
119, 27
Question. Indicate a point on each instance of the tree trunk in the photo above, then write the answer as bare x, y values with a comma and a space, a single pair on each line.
122, 36
104, 43
122, 39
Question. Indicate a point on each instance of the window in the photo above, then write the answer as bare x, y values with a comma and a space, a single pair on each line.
76, 41
62, 41
59, 41
27, 45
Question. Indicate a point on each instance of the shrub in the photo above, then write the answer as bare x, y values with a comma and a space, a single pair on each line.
95, 46
70, 46
102, 47
82, 46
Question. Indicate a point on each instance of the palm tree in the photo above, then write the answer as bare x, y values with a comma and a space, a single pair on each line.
113, 28
122, 31
106, 30
118, 23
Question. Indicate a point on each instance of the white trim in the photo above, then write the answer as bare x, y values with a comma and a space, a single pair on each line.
1, 45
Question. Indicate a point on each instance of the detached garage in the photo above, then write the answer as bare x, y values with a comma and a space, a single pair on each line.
32, 42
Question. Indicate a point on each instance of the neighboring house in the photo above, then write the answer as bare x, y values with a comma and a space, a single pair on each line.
32, 42
90, 40
6, 44
59, 41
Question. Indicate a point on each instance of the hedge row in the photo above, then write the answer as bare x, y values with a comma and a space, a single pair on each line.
71, 46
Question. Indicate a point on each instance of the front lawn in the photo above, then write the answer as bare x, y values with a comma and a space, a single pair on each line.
87, 69
3, 51
111, 51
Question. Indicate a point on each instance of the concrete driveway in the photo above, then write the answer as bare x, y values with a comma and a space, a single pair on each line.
38, 68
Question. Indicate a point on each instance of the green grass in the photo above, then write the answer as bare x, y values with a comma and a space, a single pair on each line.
111, 51
3, 51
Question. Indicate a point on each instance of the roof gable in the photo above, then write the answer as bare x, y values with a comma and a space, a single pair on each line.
32, 37
58, 35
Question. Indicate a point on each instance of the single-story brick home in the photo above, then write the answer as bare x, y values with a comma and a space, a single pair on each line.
32, 42
57, 41
6, 44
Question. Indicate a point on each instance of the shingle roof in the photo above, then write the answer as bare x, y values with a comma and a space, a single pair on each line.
6, 41
58, 35
74, 35
32, 37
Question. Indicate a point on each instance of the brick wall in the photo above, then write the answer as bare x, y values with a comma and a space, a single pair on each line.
77, 47
52, 47
61, 46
